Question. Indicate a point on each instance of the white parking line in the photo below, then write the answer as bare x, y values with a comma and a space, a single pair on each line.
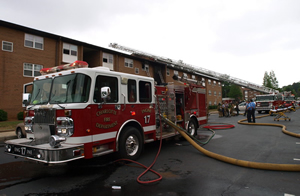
297, 142
285, 194
295, 159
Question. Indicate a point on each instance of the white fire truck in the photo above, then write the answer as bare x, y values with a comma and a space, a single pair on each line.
269, 102
88, 112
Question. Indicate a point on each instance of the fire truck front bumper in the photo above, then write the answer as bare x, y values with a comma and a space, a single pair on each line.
263, 108
44, 152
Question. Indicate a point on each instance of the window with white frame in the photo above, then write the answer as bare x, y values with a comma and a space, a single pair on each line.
69, 53
209, 103
176, 72
215, 83
219, 83
185, 76
209, 81
137, 70
215, 93
209, 92
108, 58
128, 63
33, 41
108, 61
220, 94
7, 46
31, 70
193, 77
145, 67
168, 71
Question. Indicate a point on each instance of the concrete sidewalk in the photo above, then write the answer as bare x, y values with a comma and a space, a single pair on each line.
7, 135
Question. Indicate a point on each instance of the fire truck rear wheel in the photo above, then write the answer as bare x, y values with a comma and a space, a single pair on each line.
192, 128
130, 145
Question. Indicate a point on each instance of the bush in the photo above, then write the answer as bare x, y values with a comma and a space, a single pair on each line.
20, 116
212, 107
3, 115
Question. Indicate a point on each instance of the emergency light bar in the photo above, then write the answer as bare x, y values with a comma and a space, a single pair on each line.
76, 64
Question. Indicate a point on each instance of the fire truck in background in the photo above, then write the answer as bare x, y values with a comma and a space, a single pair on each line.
289, 99
88, 112
269, 101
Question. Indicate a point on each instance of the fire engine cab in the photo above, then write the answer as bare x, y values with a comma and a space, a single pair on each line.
88, 112
268, 102
289, 99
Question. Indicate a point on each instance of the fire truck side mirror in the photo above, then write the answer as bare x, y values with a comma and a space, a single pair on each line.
105, 92
26, 99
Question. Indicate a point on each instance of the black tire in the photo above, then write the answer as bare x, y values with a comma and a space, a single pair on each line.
130, 144
19, 133
192, 128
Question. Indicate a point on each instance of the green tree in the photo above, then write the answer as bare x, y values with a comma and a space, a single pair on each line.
270, 80
235, 92
225, 86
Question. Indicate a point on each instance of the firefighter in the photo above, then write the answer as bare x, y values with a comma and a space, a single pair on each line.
223, 109
226, 109
237, 108
219, 108
231, 105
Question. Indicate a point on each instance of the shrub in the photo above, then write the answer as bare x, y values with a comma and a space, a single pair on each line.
3, 115
212, 107
20, 116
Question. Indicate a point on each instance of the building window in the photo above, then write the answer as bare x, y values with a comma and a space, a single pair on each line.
209, 103
220, 94
209, 92
128, 63
168, 71
31, 70
33, 41
108, 61
215, 83
219, 83
137, 70
209, 81
69, 53
7, 46
185, 76
176, 72
193, 77
108, 58
215, 93
145, 67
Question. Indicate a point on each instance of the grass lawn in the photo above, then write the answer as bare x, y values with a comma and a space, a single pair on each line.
9, 125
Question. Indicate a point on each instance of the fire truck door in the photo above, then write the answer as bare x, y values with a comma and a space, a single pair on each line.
108, 112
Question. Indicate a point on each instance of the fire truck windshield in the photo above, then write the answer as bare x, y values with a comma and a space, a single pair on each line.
72, 88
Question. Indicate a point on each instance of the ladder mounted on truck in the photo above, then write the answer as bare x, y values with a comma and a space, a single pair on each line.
197, 70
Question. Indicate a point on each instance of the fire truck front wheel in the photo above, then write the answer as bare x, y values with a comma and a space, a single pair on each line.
130, 145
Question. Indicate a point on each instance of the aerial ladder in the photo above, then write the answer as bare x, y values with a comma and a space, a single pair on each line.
197, 70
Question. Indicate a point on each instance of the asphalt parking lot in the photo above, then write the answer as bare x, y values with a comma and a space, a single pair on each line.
187, 171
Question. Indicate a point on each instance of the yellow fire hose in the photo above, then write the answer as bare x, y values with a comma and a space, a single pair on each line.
243, 163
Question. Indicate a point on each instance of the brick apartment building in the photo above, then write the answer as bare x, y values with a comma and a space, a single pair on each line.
24, 51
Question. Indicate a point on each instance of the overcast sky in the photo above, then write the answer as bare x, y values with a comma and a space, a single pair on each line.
243, 39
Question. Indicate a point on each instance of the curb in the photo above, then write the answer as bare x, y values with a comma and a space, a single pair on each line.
7, 135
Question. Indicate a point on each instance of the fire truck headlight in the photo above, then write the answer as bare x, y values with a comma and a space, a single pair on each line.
64, 126
55, 141
28, 122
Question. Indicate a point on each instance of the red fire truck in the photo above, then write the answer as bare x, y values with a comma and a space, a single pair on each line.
88, 112
289, 99
269, 101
